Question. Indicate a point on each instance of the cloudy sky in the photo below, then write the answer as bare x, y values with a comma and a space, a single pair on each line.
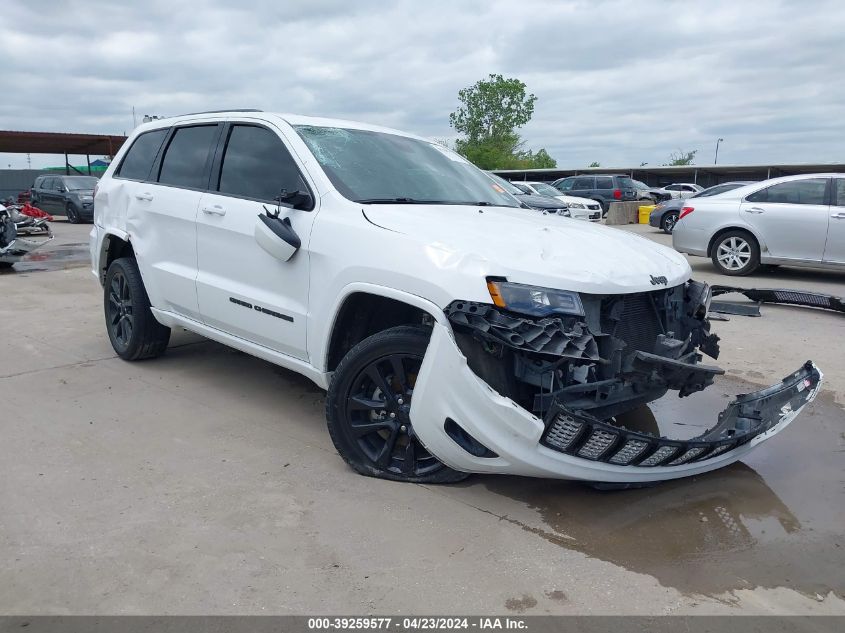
621, 83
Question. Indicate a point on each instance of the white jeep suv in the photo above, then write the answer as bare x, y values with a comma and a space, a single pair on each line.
455, 331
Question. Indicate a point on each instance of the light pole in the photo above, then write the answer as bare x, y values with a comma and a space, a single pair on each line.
716, 160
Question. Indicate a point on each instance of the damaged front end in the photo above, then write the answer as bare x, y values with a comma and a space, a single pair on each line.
12, 246
623, 351
540, 396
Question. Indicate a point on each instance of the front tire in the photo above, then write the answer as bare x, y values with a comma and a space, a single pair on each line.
71, 213
368, 409
133, 331
736, 253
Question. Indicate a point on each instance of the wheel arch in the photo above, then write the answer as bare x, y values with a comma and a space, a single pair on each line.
363, 310
115, 244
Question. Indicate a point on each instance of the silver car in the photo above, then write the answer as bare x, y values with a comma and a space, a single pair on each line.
796, 220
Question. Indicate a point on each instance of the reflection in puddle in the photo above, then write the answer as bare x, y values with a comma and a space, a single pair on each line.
776, 520
55, 258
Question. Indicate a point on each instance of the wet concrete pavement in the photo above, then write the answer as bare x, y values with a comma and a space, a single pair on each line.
205, 482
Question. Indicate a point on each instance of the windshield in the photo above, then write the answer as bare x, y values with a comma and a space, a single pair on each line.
76, 183
640, 185
378, 167
545, 190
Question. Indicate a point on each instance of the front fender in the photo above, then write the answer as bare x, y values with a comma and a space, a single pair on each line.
322, 336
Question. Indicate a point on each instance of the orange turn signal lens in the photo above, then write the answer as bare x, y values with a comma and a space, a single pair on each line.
494, 294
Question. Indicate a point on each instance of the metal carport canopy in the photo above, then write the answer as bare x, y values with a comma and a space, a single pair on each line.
58, 143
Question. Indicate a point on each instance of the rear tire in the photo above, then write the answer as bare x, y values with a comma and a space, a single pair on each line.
668, 222
368, 409
736, 253
133, 331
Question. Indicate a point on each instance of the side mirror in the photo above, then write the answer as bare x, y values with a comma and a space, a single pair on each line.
276, 236
300, 199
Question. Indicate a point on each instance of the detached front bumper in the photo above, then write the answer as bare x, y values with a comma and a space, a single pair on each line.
470, 427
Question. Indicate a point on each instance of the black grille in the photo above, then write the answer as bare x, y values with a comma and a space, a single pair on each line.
638, 324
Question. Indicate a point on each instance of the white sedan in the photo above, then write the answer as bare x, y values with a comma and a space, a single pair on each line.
579, 208
683, 189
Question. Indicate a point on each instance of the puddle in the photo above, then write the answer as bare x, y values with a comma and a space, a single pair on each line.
52, 258
776, 520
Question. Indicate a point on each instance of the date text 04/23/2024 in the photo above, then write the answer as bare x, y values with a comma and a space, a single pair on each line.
416, 623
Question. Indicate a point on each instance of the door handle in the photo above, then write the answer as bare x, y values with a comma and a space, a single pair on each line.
214, 210
838, 216
755, 210
144, 196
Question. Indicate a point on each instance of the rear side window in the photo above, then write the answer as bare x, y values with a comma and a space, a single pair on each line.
139, 159
583, 183
810, 191
186, 155
840, 192
604, 182
257, 164
625, 183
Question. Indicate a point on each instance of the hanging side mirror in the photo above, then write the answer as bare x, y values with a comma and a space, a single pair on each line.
277, 236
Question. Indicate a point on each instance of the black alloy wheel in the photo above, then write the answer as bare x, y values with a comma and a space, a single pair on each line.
369, 409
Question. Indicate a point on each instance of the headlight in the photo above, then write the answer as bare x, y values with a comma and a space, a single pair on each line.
533, 300
576, 205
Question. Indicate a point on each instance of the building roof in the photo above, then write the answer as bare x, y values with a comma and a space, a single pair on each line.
56, 143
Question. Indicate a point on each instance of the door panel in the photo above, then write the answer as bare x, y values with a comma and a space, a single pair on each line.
791, 217
835, 247
162, 218
242, 288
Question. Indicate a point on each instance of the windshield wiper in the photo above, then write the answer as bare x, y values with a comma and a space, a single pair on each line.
398, 201
461, 203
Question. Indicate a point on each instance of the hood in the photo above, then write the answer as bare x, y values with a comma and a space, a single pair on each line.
526, 248
576, 200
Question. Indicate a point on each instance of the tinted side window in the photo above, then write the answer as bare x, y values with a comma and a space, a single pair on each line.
139, 159
604, 182
565, 184
583, 183
257, 164
184, 159
840, 192
809, 191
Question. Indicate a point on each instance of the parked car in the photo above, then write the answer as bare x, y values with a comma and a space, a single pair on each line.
665, 215
652, 194
604, 189
72, 196
579, 208
795, 220
683, 189
531, 201
454, 331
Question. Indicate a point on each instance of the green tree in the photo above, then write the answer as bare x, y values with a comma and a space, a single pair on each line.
491, 111
595, 163
682, 158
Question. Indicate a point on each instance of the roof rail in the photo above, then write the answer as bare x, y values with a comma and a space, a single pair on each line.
221, 111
